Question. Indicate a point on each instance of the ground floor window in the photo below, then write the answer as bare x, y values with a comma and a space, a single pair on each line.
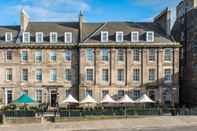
8, 96
121, 93
39, 95
104, 93
136, 94
67, 92
88, 92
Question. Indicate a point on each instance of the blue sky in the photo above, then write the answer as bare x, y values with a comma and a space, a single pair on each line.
94, 10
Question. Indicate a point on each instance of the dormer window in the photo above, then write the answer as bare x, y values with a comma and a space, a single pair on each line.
68, 37
26, 37
53, 37
104, 36
39, 37
8, 36
119, 37
135, 36
149, 36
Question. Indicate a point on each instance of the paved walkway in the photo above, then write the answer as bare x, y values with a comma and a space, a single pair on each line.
163, 123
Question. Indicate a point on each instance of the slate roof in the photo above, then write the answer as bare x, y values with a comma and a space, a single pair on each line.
59, 27
14, 29
92, 31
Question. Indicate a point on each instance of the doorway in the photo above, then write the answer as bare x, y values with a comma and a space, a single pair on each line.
53, 96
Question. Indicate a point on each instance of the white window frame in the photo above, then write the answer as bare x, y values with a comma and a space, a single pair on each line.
36, 55
92, 55
149, 74
38, 71
103, 75
147, 36
150, 55
66, 76
51, 75
103, 54
6, 37
136, 54
65, 37
28, 37
135, 75
37, 37
122, 79
22, 75
6, 95
7, 71
51, 54
36, 95
102, 36
132, 36
171, 55
51, 37
122, 36
119, 55
21, 55
171, 77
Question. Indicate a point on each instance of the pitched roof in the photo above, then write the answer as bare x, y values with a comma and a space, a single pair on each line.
14, 29
91, 31
59, 27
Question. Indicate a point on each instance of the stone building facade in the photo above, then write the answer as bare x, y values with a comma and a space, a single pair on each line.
49, 60
184, 31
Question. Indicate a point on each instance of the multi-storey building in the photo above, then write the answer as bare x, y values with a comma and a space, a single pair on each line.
184, 31
49, 60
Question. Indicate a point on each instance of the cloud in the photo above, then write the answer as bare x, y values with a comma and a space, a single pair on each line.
46, 10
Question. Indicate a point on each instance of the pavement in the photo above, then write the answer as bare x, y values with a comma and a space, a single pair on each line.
157, 123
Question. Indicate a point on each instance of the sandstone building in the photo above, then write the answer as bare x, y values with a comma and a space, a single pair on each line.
49, 60
184, 31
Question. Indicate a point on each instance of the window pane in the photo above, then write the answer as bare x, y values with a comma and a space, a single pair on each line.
151, 74
90, 54
168, 54
39, 96
136, 74
8, 74
105, 75
53, 56
152, 54
104, 93
136, 54
39, 74
24, 56
53, 75
89, 74
68, 75
121, 54
167, 75
120, 75
38, 56
25, 75
9, 55
105, 54
68, 55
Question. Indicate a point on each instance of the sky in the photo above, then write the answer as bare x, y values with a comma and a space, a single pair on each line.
94, 10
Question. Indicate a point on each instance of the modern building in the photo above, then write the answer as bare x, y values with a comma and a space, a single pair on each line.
184, 31
49, 60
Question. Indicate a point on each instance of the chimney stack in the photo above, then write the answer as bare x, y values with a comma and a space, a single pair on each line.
164, 20
81, 20
24, 19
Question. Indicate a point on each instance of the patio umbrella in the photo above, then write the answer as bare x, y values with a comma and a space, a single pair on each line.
88, 100
144, 99
70, 99
125, 100
24, 99
107, 99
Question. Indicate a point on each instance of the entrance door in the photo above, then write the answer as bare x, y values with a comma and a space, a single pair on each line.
53, 98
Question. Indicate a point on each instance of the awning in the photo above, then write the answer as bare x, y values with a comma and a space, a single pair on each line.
24, 99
